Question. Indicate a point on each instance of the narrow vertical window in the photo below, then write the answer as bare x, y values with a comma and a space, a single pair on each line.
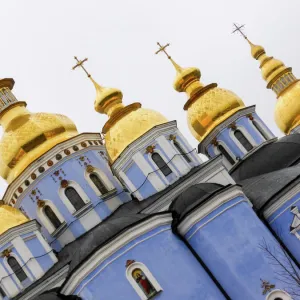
161, 164
98, 183
260, 130
226, 154
243, 140
15, 266
180, 150
2, 293
52, 216
144, 283
74, 198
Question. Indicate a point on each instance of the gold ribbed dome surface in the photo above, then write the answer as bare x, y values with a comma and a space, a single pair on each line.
287, 109
210, 109
10, 217
27, 136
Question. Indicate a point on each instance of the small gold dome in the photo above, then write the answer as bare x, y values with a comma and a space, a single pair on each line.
10, 217
126, 123
208, 106
27, 136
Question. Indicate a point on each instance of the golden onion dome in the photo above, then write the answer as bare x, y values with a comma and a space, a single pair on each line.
282, 81
208, 106
126, 123
26, 135
10, 217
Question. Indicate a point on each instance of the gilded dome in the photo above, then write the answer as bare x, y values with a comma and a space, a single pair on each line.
281, 80
10, 217
211, 108
126, 123
27, 136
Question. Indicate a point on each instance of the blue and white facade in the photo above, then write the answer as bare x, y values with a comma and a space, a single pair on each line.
236, 137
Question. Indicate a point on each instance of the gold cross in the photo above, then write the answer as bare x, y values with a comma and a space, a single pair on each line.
239, 29
80, 64
163, 49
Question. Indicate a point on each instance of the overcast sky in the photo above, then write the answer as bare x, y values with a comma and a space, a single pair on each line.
40, 38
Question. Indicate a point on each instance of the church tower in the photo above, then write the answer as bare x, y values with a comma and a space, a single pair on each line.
281, 80
218, 118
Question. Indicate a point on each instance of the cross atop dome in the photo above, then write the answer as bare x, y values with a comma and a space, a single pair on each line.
80, 64
240, 30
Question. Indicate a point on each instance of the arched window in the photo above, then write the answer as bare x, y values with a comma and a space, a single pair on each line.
226, 154
99, 183
144, 283
277, 298
16, 268
74, 198
260, 130
52, 216
180, 150
161, 164
243, 140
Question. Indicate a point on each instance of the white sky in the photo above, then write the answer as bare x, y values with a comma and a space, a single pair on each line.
40, 38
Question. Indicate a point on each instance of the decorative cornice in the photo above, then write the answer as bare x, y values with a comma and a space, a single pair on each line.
141, 143
225, 124
44, 164
113, 246
16, 231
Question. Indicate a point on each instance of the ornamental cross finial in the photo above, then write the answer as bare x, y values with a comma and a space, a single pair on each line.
239, 29
80, 64
163, 49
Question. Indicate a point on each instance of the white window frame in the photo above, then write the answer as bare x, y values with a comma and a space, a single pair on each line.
108, 184
227, 164
246, 134
151, 278
262, 127
65, 199
278, 294
45, 220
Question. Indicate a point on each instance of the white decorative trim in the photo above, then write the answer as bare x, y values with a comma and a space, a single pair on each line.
278, 294
148, 274
281, 201
46, 246
233, 118
247, 136
50, 155
262, 127
226, 163
207, 173
45, 220
65, 199
131, 187
107, 250
102, 176
214, 203
141, 143
7, 283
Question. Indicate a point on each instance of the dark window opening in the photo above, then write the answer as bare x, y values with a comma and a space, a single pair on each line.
260, 130
226, 154
74, 198
243, 140
180, 150
161, 164
98, 183
52, 216
15, 266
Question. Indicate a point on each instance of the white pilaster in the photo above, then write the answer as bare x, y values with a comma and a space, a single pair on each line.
90, 220
46, 246
130, 185
8, 283
27, 257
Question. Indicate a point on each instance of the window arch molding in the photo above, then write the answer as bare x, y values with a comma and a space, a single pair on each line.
45, 220
247, 136
278, 294
182, 151
80, 192
148, 274
217, 152
260, 128
102, 176
21, 264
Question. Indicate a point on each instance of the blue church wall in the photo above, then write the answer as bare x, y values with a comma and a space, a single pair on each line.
281, 222
229, 240
168, 259
47, 189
